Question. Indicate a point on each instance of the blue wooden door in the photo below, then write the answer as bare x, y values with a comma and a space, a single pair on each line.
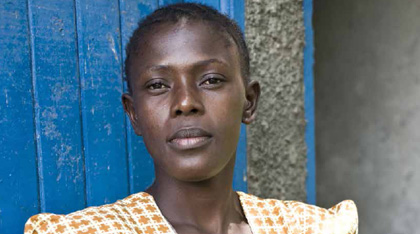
65, 142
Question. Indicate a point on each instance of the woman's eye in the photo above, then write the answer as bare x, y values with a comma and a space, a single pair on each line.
212, 81
155, 86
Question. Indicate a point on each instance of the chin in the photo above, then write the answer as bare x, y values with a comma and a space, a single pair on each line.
196, 172
194, 178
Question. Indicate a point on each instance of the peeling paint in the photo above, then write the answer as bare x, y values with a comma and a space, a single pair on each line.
58, 177
58, 24
112, 46
108, 128
60, 91
62, 151
6, 97
49, 129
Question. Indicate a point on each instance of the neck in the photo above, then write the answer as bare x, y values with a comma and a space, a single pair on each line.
207, 206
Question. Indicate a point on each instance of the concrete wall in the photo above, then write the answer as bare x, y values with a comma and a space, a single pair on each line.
367, 85
276, 146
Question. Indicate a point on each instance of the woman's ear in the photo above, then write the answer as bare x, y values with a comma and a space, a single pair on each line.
128, 104
253, 91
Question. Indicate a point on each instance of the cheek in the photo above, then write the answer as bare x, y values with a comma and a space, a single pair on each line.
152, 116
231, 105
152, 120
229, 109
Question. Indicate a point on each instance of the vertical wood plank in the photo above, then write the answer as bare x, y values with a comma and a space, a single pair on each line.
237, 12
226, 6
57, 109
18, 174
141, 168
240, 171
308, 82
100, 64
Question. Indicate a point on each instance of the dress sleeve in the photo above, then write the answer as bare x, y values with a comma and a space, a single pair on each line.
44, 223
346, 217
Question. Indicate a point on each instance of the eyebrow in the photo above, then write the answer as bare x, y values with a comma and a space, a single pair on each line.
209, 61
197, 64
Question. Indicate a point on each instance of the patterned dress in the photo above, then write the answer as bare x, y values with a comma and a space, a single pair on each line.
139, 213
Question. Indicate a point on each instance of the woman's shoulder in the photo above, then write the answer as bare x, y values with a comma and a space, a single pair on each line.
124, 216
298, 217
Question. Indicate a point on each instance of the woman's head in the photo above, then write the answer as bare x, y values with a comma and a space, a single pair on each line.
188, 12
188, 96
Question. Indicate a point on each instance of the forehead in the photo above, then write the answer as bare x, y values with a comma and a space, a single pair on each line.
185, 42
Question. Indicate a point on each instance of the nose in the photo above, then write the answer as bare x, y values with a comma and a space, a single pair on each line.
186, 101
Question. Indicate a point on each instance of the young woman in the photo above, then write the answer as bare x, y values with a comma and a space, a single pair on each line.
187, 70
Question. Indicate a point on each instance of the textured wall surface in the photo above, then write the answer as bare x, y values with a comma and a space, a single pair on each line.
367, 82
276, 145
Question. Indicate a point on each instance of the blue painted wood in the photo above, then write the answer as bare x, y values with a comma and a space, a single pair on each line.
100, 65
213, 3
240, 182
57, 109
235, 9
308, 81
167, 2
18, 174
226, 7
238, 12
141, 169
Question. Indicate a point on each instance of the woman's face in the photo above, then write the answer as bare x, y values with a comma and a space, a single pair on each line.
188, 99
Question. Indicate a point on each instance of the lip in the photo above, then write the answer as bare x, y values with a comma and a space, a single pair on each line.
189, 138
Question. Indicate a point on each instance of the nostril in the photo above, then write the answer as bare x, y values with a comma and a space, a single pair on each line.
192, 111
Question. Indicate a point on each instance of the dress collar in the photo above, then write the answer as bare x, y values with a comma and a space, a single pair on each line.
243, 198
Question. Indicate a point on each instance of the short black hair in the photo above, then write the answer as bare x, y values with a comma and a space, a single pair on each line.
188, 11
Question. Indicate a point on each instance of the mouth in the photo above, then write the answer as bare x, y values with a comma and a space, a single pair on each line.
189, 138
